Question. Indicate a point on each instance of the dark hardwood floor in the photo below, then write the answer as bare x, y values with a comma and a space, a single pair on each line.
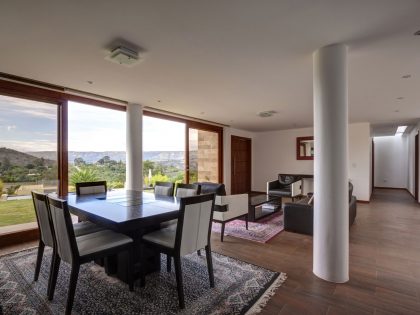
384, 263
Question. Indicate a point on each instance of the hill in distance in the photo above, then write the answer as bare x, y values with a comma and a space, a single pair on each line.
93, 157
22, 159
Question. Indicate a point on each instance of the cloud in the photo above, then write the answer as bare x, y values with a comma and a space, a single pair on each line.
28, 146
29, 108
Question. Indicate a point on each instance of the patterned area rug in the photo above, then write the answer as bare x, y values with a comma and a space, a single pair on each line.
261, 231
241, 288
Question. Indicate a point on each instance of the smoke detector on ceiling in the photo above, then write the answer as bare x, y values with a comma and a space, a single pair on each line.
124, 56
267, 113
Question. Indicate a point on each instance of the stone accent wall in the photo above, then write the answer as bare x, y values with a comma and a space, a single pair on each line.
208, 156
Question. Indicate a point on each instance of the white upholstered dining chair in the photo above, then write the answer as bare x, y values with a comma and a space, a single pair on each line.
191, 233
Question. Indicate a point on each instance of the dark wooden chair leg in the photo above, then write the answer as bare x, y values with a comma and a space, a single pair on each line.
199, 252
131, 268
179, 284
168, 263
53, 259
222, 232
142, 266
53, 276
41, 247
246, 221
72, 287
210, 265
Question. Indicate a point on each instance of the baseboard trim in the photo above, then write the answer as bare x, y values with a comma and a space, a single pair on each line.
363, 201
397, 188
12, 238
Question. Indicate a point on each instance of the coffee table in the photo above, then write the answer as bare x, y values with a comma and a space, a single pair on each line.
255, 211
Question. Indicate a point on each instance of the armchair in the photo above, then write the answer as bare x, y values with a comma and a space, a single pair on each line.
285, 186
232, 207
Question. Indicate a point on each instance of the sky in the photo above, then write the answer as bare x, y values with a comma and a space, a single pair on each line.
32, 126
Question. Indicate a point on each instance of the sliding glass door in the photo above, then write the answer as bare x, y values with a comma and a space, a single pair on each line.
28, 158
96, 145
180, 150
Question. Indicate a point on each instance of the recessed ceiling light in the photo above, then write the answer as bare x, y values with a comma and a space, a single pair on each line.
159, 101
231, 121
396, 111
400, 98
202, 113
267, 113
406, 76
90, 82
417, 33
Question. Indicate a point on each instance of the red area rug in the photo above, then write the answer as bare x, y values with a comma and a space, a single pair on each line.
261, 231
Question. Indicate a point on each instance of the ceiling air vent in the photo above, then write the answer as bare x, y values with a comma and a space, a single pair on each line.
124, 56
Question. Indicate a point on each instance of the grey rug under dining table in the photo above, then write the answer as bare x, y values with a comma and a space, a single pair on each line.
241, 288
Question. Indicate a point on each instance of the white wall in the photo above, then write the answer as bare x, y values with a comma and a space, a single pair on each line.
227, 133
391, 161
274, 152
360, 160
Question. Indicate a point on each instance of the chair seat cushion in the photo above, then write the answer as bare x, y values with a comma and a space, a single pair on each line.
164, 237
100, 241
283, 192
170, 223
86, 227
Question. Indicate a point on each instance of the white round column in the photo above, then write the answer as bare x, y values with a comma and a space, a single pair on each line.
134, 154
331, 204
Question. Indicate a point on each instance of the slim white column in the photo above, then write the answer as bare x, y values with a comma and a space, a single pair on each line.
134, 159
331, 209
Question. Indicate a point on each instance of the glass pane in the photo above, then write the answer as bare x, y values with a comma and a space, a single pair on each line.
28, 158
203, 156
163, 151
96, 145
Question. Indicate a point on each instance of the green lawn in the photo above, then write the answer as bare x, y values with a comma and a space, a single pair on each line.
16, 212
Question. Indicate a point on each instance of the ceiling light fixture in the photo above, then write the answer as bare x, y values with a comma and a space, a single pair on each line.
266, 114
400, 98
124, 56
400, 130
406, 76
417, 33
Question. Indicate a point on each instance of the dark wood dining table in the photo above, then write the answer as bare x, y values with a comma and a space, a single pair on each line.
130, 212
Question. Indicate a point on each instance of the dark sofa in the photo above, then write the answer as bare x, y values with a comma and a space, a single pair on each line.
299, 216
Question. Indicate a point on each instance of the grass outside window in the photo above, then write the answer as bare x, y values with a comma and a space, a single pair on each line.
16, 212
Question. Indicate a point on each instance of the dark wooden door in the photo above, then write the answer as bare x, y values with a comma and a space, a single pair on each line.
373, 168
240, 165
416, 167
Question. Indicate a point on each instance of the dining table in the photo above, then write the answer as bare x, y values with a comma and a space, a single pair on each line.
129, 212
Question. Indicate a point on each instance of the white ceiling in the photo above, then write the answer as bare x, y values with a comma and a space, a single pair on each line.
228, 59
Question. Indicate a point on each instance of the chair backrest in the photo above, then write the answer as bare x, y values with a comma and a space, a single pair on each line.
212, 188
187, 190
63, 230
287, 179
164, 189
43, 217
89, 188
194, 223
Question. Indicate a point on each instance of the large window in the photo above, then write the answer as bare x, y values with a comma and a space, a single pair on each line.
96, 142
28, 157
180, 151
163, 151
